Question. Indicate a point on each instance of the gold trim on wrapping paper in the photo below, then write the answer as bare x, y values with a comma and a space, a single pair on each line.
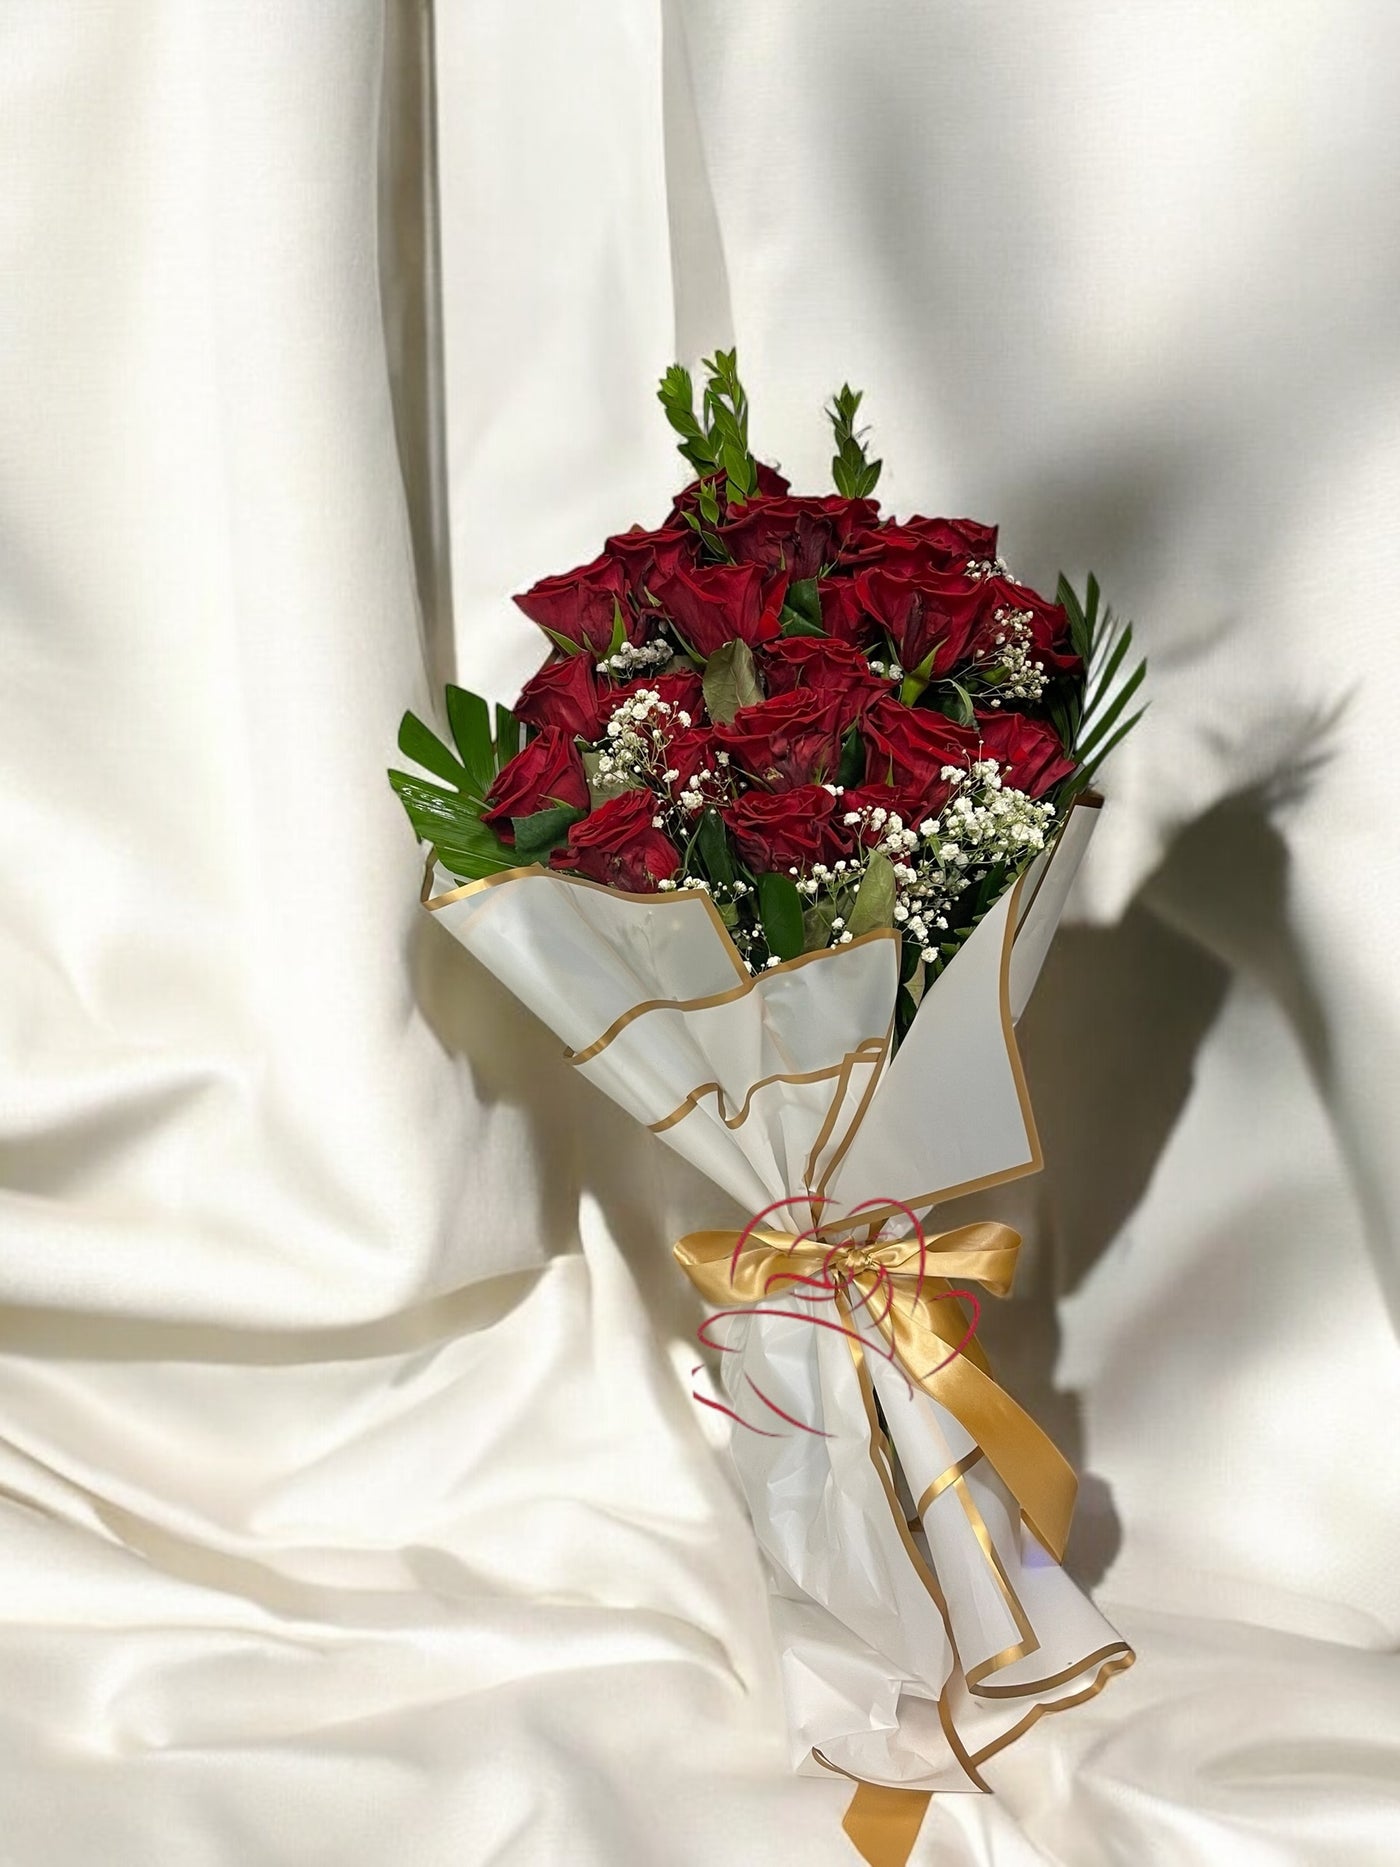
731, 995
870, 1051
945, 1478
1028, 1643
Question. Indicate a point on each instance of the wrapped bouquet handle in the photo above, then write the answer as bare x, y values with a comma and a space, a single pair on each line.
902, 1286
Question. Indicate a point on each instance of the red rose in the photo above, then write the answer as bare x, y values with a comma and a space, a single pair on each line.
925, 545
908, 749
1049, 625
781, 830
565, 693
844, 615
548, 772
679, 688
785, 741
797, 536
618, 844
581, 605
1030, 754
910, 806
798, 663
934, 613
691, 750
644, 556
720, 602
770, 484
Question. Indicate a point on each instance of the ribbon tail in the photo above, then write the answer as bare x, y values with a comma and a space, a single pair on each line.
883, 1824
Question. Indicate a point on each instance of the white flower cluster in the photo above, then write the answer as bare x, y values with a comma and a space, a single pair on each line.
978, 568
983, 825
1011, 649
631, 659
635, 748
891, 670
707, 784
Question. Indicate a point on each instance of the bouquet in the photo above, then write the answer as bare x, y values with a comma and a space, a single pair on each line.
775, 841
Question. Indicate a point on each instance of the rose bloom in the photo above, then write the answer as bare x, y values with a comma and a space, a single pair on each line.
644, 556
932, 613
721, 602
618, 844
797, 536
844, 615
918, 545
565, 693
774, 831
1049, 625
785, 741
1030, 753
548, 772
799, 663
581, 604
911, 807
680, 688
908, 747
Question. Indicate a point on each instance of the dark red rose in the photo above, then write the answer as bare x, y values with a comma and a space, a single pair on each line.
910, 806
908, 748
804, 663
680, 688
581, 605
781, 830
689, 751
619, 844
548, 772
1049, 625
771, 485
720, 603
785, 741
796, 536
935, 613
644, 556
565, 693
1030, 754
920, 545
844, 615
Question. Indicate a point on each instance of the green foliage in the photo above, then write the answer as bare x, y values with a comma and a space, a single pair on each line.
448, 815
874, 902
543, 831
802, 609
853, 473
780, 911
1089, 719
717, 440
731, 681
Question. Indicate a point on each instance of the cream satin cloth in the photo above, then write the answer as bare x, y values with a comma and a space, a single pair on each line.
352, 1504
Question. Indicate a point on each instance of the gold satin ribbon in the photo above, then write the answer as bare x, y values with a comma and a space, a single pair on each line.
884, 1823
920, 1318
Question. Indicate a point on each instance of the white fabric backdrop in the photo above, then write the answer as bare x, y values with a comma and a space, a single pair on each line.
352, 1507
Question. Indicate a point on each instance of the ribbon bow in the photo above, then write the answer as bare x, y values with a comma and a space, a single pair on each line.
903, 1284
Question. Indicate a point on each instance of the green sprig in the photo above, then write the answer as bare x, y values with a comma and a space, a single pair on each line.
853, 473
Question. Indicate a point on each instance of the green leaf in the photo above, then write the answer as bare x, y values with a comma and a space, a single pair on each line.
470, 719
507, 736
1080, 639
1104, 719
780, 910
874, 903
711, 847
804, 598
791, 624
562, 641
731, 681
619, 629
958, 706
1092, 767
543, 830
852, 764
853, 475
453, 824
421, 743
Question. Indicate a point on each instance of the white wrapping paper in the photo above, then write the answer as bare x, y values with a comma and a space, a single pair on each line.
912, 1646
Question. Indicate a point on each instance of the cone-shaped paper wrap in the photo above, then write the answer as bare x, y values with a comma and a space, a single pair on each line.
923, 1622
